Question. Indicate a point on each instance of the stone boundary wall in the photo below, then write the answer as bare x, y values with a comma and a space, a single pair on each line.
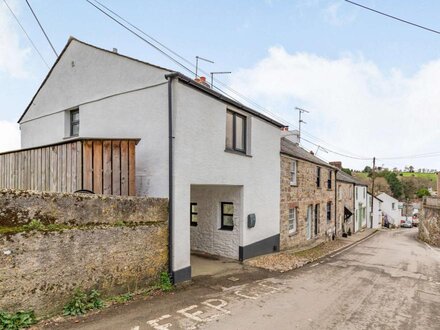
429, 226
121, 247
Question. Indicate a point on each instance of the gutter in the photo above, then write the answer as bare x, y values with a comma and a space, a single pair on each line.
223, 98
170, 78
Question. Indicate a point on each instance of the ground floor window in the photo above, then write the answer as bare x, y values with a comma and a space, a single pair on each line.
227, 217
329, 211
194, 214
316, 219
292, 220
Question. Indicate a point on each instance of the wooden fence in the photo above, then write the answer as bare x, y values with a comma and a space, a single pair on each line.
104, 166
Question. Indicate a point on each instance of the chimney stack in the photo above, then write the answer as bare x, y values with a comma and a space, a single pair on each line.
337, 164
202, 81
115, 50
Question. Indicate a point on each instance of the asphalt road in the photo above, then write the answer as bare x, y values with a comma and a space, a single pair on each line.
389, 281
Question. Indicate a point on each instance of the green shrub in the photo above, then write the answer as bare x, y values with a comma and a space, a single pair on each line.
165, 282
123, 298
83, 302
16, 321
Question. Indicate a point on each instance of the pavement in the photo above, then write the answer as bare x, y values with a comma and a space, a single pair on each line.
388, 281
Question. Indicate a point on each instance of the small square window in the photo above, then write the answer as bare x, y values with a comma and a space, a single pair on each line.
194, 214
74, 122
227, 216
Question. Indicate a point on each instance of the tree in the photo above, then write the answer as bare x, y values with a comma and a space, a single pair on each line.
347, 170
411, 169
394, 183
367, 169
423, 192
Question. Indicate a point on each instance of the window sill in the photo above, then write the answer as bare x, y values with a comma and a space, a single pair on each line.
194, 224
226, 228
293, 184
293, 234
71, 137
241, 153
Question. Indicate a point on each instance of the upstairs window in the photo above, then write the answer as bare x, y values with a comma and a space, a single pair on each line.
329, 211
318, 177
227, 220
329, 180
74, 122
194, 214
293, 176
235, 132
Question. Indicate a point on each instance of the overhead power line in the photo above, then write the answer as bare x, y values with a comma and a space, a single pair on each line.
393, 17
41, 27
190, 64
27, 35
153, 40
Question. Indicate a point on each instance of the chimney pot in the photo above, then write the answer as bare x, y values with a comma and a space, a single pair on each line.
115, 50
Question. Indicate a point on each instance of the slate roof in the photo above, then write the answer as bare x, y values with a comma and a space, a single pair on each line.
342, 176
169, 73
294, 150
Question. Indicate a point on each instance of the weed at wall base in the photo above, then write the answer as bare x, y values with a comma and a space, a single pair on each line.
17, 320
82, 302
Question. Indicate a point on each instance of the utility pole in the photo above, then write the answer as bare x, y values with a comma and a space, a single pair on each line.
300, 121
372, 191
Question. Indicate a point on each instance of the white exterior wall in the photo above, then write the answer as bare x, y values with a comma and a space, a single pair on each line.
200, 159
206, 236
377, 212
140, 114
393, 214
85, 77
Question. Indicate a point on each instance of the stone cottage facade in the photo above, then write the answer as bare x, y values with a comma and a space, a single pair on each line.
345, 202
307, 197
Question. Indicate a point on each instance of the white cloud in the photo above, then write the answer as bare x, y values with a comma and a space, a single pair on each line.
12, 55
9, 136
354, 105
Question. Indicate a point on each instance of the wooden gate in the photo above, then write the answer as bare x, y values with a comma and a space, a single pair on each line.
104, 166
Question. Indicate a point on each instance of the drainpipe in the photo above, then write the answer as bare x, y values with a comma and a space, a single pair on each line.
170, 78
336, 204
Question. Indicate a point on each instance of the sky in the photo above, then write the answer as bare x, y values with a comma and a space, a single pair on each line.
371, 84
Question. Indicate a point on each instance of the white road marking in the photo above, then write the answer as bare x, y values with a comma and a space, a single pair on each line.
219, 307
155, 323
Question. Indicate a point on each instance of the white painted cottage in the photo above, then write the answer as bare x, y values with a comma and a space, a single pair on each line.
214, 158
390, 209
375, 215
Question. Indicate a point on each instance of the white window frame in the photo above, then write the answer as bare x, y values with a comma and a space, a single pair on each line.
294, 173
293, 221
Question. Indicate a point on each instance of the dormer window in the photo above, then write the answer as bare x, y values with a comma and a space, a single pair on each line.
235, 132
74, 122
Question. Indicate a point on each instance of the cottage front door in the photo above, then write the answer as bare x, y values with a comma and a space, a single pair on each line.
309, 222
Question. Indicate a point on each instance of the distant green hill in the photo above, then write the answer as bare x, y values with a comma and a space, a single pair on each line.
430, 176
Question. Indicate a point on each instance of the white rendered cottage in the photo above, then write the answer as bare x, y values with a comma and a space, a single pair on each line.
215, 159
